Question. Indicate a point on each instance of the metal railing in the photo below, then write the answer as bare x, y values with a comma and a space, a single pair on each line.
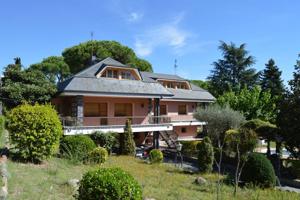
110, 121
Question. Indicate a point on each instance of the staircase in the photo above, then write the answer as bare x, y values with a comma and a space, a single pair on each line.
170, 137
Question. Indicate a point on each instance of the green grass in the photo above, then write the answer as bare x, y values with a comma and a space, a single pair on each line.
47, 181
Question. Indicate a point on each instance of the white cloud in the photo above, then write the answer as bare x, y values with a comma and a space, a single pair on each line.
169, 34
134, 17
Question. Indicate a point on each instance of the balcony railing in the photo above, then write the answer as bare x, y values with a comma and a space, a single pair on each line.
109, 121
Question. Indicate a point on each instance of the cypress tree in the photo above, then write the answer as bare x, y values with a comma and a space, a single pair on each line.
127, 144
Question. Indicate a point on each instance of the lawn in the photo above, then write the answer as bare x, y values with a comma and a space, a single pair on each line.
162, 182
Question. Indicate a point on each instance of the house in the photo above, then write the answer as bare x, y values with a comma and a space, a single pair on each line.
103, 96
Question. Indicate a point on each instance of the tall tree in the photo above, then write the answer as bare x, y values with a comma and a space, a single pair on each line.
233, 71
79, 56
271, 80
54, 67
289, 116
253, 103
19, 85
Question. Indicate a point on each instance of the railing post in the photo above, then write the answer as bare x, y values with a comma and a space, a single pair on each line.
156, 121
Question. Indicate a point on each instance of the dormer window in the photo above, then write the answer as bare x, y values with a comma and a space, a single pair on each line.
112, 73
127, 75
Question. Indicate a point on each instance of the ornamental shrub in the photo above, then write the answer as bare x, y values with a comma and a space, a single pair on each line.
190, 148
127, 144
106, 140
98, 155
76, 148
2, 123
259, 171
34, 131
156, 156
205, 155
108, 184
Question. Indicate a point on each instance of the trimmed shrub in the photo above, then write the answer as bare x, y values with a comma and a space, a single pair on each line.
34, 131
108, 184
2, 123
205, 155
156, 156
98, 155
76, 148
127, 144
106, 140
190, 148
259, 171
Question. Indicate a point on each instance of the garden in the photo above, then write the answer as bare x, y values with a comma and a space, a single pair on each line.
43, 164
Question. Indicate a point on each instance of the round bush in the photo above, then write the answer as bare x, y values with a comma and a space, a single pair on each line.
98, 155
34, 131
156, 156
76, 147
259, 171
109, 184
106, 140
205, 155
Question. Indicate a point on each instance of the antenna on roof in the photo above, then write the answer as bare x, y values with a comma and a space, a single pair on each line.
93, 57
175, 66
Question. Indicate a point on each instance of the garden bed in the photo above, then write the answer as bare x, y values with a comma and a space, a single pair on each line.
48, 181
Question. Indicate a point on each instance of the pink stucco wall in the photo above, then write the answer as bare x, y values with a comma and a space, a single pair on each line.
139, 110
191, 131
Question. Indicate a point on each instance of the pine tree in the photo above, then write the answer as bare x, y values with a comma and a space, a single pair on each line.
271, 80
127, 144
233, 71
295, 83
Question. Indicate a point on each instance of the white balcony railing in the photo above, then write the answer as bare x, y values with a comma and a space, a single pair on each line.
110, 121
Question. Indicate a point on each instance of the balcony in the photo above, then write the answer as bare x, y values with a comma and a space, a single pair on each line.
87, 125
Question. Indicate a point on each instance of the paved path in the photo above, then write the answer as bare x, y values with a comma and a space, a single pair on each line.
287, 188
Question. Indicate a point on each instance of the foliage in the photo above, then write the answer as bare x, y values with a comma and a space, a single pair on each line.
271, 81
76, 148
54, 68
27, 85
109, 184
233, 71
98, 155
106, 140
289, 116
156, 156
205, 155
241, 142
190, 148
79, 56
2, 124
127, 144
219, 120
259, 171
202, 84
293, 167
253, 103
34, 131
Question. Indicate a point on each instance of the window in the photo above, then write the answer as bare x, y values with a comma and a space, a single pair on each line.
126, 75
95, 109
163, 109
182, 110
183, 130
123, 109
112, 73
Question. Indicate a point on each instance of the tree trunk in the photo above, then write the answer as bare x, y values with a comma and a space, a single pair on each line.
237, 170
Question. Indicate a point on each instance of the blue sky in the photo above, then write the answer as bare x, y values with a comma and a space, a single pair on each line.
159, 31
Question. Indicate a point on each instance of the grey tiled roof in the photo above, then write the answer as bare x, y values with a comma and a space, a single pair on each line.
113, 87
94, 69
195, 95
154, 76
86, 82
